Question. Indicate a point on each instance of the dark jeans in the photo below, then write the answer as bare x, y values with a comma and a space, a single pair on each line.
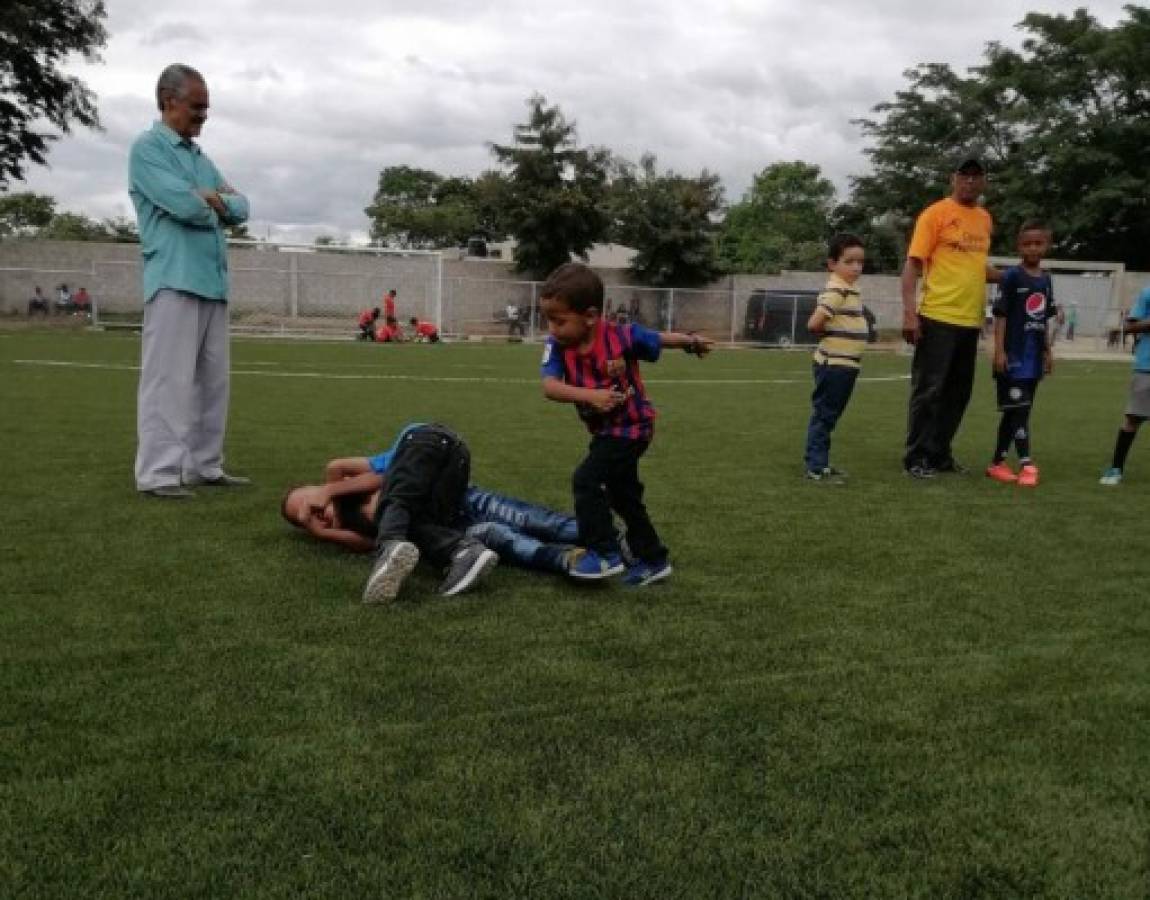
833, 388
608, 479
942, 376
423, 491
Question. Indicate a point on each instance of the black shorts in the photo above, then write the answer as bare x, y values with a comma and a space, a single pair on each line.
1015, 393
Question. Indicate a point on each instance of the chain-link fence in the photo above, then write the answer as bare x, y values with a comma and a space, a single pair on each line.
293, 289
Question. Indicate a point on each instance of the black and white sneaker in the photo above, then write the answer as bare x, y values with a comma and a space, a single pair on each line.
468, 564
920, 471
395, 561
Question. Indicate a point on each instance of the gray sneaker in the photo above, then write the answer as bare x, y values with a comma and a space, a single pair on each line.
468, 564
395, 561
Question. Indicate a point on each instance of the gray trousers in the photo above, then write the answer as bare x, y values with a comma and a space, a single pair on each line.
182, 405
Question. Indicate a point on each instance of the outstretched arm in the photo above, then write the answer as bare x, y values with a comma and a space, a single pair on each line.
692, 343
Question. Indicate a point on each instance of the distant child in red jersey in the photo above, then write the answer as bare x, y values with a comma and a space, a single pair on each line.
424, 331
366, 323
389, 304
389, 332
595, 365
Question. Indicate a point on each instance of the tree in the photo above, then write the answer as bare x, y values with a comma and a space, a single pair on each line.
121, 230
37, 36
556, 192
418, 208
1062, 121
25, 214
669, 220
68, 226
781, 223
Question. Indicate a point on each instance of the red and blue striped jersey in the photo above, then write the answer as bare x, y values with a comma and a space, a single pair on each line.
634, 418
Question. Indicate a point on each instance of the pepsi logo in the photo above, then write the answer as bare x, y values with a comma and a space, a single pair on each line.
1035, 305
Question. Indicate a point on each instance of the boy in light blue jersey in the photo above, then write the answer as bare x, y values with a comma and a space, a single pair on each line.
1138, 403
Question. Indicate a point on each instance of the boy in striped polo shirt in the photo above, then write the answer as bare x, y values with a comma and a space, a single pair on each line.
839, 319
594, 364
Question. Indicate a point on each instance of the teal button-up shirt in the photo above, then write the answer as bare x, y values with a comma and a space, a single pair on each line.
181, 238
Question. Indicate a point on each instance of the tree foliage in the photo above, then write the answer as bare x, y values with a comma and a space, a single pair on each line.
781, 223
556, 193
1063, 121
30, 215
419, 208
36, 37
669, 220
24, 214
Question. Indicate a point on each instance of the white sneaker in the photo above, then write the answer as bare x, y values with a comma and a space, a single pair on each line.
395, 562
1111, 478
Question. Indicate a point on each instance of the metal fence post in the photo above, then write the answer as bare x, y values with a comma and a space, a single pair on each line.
439, 291
534, 304
670, 326
734, 309
794, 317
293, 286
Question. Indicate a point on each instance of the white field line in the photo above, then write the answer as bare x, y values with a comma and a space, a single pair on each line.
454, 379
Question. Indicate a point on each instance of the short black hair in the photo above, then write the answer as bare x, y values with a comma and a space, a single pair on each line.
283, 504
840, 243
1034, 225
576, 285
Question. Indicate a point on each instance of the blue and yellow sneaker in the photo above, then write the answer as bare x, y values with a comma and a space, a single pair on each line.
642, 573
592, 566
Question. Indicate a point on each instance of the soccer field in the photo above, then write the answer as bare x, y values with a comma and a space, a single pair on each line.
889, 688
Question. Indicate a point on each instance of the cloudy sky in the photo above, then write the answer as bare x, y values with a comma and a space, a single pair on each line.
311, 98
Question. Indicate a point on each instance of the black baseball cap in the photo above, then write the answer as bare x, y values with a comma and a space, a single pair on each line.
970, 165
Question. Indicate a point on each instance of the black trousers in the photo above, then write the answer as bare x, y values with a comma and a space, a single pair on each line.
423, 491
942, 376
608, 479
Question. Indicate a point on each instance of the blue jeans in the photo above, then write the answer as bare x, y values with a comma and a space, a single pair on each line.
522, 533
833, 388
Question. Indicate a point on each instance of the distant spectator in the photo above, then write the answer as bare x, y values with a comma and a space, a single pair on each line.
38, 302
424, 331
64, 304
389, 304
515, 323
367, 320
1071, 321
83, 302
389, 332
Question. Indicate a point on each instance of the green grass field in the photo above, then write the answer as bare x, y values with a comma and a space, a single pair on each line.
885, 689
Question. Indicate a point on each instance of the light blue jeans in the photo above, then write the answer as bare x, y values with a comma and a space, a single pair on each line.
523, 534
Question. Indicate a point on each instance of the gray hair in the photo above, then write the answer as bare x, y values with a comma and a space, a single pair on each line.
172, 82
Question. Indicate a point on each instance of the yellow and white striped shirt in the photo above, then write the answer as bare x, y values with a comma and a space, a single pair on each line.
846, 331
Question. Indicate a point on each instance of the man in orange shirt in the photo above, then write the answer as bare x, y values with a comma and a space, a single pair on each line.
950, 247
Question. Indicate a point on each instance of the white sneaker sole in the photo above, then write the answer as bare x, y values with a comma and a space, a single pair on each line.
386, 578
658, 576
597, 576
484, 563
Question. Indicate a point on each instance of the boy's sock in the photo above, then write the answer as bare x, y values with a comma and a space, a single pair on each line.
1122, 447
1005, 435
1022, 441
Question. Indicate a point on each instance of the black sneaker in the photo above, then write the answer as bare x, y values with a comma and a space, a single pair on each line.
951, 467
393, 564
468, 564
920, 471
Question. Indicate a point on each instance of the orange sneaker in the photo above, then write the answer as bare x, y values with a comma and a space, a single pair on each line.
1028, 476
1001, 472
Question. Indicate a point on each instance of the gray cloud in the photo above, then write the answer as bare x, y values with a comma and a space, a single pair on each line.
310, 101
175, 33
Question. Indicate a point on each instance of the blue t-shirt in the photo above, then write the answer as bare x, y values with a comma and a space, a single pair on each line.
1141, 310
381, 462
1027, 303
